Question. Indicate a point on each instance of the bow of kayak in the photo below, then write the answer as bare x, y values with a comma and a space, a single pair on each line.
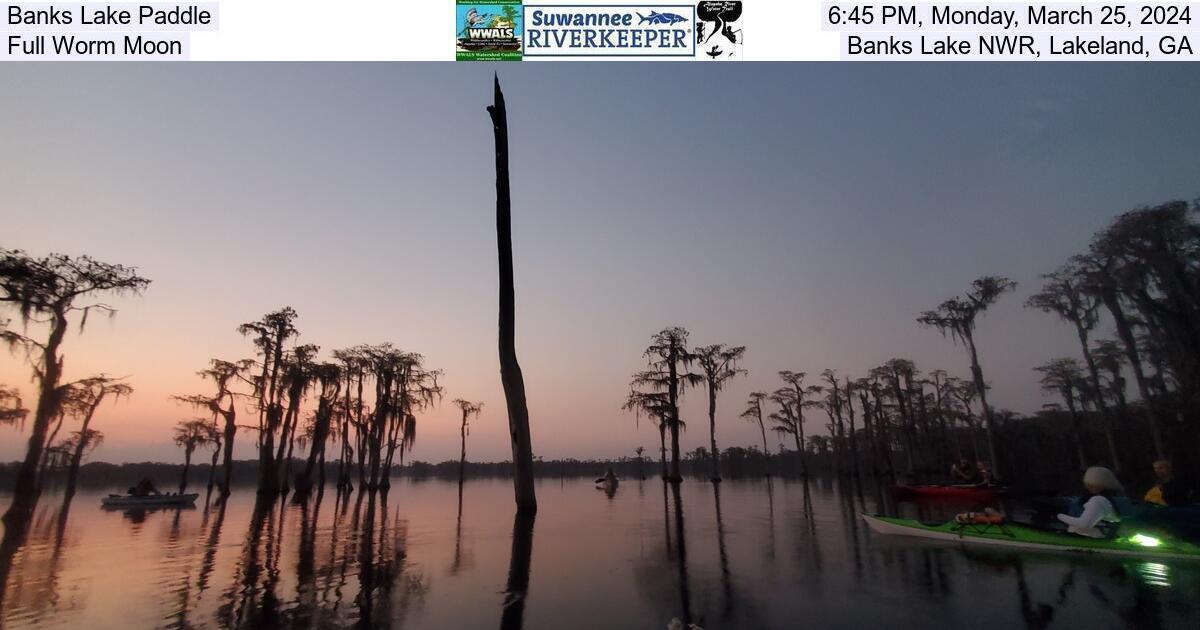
1022, 537
941, 491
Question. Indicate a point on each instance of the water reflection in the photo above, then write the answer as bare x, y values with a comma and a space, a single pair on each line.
809, 545
769, 549
210, 544
245, 601
306, 561
35, 586
137, 515
1037, 616
740, 554
462, 559
723, 555
685, 597
516, 590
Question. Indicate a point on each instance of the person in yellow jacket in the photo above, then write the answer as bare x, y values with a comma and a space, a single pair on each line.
1169, 491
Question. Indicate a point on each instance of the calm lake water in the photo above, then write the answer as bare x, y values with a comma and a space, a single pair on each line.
756, 554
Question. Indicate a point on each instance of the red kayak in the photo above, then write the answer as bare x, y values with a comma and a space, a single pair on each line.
948, 492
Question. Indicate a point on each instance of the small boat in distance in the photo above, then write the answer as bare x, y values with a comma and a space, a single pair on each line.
607, 484
128, 500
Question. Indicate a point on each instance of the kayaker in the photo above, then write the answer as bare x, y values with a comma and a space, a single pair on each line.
1099, 517
144, 488
610, 477
1169, 491
983, 475
963, 473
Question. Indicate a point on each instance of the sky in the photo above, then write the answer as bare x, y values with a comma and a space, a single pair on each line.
807, 211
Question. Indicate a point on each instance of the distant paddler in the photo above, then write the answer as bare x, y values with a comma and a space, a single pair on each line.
963, 473
609, 481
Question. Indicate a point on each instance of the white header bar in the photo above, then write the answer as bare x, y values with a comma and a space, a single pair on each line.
549, 30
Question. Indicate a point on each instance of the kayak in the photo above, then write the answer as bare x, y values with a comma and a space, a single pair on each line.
1151, 513
1022, 537
606, 485
119, 500
964, 492
1181, 521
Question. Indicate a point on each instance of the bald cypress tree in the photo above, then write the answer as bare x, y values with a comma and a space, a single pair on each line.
224, 375
718, 364
668, 377
1063, 295
270, 334
84, 399
956, 317
754, 413
51, 293
468, 409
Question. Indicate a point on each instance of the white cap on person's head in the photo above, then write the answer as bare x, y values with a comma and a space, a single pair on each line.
1102, 478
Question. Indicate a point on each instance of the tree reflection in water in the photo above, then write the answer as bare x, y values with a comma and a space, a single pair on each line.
35, 565
211, 544
512, 616
811, 552
723, 555
769, 549
246, 603
306, 574
685, 596
462, 559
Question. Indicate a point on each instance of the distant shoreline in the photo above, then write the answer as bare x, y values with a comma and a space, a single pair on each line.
245, 472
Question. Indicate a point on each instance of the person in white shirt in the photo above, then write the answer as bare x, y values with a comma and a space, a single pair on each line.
1099, 515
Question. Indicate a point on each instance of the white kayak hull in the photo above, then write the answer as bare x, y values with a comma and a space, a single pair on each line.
150, 501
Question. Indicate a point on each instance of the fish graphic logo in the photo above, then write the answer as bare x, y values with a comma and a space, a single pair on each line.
661, 18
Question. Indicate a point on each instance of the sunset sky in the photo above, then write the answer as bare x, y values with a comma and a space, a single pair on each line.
806, 211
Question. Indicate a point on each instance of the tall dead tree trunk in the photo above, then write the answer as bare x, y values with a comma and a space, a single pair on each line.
510, 369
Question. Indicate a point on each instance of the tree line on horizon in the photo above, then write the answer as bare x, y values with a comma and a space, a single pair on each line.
1140, 277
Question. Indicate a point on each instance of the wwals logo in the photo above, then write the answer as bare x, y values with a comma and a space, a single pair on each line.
489, 30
